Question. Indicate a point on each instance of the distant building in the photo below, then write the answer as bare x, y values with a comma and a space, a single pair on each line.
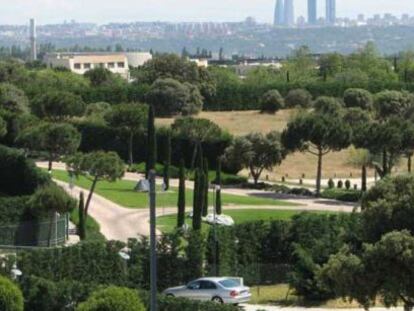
279, 13
80, 63
312, 12
289, 17
331, 12
33, 43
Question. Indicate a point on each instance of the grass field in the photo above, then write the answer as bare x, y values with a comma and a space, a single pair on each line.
168, 223
122, 192
241, 123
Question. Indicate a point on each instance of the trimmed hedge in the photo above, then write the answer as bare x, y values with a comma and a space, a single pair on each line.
19, 176
14, 210
341, 194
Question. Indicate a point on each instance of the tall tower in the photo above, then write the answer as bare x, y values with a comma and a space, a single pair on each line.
330, 12
289, 18
312, 12
279, 13
33, 47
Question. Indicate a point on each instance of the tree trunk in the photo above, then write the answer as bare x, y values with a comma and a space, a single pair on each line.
88, 201
384, 164
130, 149
319, 173
50, 166
82, 225
364, 178
409, 163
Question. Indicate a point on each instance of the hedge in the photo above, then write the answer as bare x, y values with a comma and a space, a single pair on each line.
14, 210
11, 298
19, 176
342, 195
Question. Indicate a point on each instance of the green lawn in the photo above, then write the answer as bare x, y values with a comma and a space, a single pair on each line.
122, 192
168, 223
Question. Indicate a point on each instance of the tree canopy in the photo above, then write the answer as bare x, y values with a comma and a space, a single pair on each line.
271, 102
13, 99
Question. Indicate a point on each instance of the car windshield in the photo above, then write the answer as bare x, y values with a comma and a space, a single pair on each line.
229, 283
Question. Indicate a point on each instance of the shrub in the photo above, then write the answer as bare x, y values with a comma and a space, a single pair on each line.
113, 298
340, 184
298, 98
358, 98
301, 191
342, 195
11, 298
348, 184
271, 102
331, 183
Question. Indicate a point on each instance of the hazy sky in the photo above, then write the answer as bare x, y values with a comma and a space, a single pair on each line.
103, 11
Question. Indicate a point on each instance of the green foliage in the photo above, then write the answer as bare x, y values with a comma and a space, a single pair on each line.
151, 159
298, 98
97, 111
81, 213
195, 254
3, 127
11, 298
167, 162
345, 195
392, 103
197, 130
13, 99
327, 105
99, 76
358, 98
112, 298
340, 184
181, 197
331, 183
347, 184
272, 101
51, 198
57, 105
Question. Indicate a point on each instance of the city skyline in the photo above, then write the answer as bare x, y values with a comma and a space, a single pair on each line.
19, 11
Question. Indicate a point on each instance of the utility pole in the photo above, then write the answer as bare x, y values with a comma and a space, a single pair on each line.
153, 242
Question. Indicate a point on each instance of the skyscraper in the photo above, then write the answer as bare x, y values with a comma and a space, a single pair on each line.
33, 47
279, 13
330, 12
289, 18
312, 12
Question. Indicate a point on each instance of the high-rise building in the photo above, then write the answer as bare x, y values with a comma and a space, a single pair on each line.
279, 13
330, 12
289, 18
33, 47
312, 12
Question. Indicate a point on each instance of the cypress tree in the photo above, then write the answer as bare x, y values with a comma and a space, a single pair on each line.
218, 192
198, 199
206, 188
81, 210
167, 162
181, 197
151, 142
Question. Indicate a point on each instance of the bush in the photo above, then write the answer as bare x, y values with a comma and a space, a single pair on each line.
272, 102
113, 298
340, 184
11, 298
331, 183
298, 98
159, 169
345, 195
301, 191
358, 98
348, 184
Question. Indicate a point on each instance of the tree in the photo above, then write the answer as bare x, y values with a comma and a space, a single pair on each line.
384, 269
50, 200
11, 297
167, 161
97, 111
181, 197
3, 127
151, 142
256, 152
58, 105
81, 216
358, 98
99, 76
327, 105
198, 197
218, 206
96, 166
169, 97
206, 187
111, 298
271, 102
56, 139
129, 120
194, 103
13, 99
318, 134
298, 98
390, 104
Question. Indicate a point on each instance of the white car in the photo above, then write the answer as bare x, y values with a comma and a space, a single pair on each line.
220, 290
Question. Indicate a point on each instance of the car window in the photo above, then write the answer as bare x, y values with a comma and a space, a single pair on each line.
229, 283
207, 285
194, 285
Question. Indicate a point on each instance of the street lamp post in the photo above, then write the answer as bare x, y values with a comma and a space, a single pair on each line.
216, 188
153, 242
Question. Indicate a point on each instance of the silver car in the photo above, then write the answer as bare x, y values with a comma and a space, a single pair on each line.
220, 290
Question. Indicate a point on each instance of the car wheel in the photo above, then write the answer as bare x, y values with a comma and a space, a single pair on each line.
217, 300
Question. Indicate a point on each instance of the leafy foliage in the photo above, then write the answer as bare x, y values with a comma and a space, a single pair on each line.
272, 101
11, 298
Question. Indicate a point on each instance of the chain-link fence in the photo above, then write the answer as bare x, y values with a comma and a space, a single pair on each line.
35, 233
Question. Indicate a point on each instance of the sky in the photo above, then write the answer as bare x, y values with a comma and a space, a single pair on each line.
104, 11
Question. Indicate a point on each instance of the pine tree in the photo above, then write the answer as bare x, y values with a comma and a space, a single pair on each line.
181, 197
218, 192
151, 142
167, 162
206, 188
81, 210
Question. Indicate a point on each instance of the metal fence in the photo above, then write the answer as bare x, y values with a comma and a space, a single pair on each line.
35, 233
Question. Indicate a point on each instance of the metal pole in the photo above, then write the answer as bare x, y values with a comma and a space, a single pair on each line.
215, 230
153, 242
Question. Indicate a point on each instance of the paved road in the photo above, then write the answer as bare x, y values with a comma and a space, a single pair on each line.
120, 223
274, 308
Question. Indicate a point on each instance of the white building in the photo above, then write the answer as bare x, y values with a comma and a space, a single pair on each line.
80, 63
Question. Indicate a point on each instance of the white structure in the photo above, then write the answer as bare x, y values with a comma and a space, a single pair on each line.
200, 62
33, 47
80, 63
